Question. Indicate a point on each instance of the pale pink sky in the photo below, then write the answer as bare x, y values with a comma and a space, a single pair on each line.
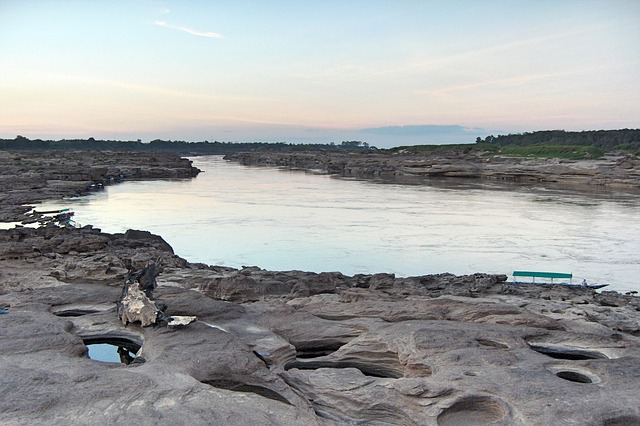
318, 70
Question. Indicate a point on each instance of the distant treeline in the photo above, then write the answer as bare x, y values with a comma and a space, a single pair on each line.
180, 147
603, 140
598, 141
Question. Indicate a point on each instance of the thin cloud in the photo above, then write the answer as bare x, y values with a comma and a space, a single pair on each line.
449, 60
207, 34
420, 130
514, 81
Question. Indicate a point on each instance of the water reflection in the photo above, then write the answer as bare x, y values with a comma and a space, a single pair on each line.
281, 220
106, 352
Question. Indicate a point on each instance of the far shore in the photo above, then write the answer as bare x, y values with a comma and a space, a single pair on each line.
620, 172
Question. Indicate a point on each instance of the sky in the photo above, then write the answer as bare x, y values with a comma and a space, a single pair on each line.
397, 72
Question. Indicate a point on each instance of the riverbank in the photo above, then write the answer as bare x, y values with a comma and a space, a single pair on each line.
300, 347
29, 177
612, 172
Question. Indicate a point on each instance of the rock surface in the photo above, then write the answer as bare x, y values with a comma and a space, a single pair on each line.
294, 347
29, 177
620, 171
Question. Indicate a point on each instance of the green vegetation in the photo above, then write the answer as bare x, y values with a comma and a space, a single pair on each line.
21, 143
543, 144
605, 140
467, 148
558, 151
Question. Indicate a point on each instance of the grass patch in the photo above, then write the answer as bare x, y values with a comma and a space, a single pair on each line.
464, 148
553, 151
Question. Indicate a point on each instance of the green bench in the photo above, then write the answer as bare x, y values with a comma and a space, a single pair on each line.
533, 275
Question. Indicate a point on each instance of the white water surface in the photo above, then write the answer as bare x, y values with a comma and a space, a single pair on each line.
282, 220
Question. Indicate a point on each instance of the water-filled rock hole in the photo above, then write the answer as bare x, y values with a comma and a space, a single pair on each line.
113, 349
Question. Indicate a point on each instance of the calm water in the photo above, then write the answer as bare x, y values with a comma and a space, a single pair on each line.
280, 220
103, 352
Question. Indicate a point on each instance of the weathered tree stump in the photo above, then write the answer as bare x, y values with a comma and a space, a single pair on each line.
136, 301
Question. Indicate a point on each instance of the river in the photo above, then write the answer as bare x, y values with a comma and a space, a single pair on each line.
281, 220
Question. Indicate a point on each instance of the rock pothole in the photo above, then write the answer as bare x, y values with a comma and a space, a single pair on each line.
79, 310
472, 411
622, 421
574, 376
308, 350
113, 349
567, 353
238, 386
75, 312
370, 370
492, 343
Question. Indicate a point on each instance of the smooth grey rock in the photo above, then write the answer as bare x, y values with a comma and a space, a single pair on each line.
296, 347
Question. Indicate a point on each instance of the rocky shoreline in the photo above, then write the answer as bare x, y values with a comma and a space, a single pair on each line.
294, 347
28, 177
620, 171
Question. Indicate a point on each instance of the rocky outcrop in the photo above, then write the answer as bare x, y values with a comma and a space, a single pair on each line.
301, 347
30, 177
620, 171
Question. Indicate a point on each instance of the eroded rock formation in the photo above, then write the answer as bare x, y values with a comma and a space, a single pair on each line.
298, 347
616, 171
30, 177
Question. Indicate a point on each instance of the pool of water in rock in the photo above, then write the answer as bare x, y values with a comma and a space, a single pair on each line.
282, 220
106, 352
